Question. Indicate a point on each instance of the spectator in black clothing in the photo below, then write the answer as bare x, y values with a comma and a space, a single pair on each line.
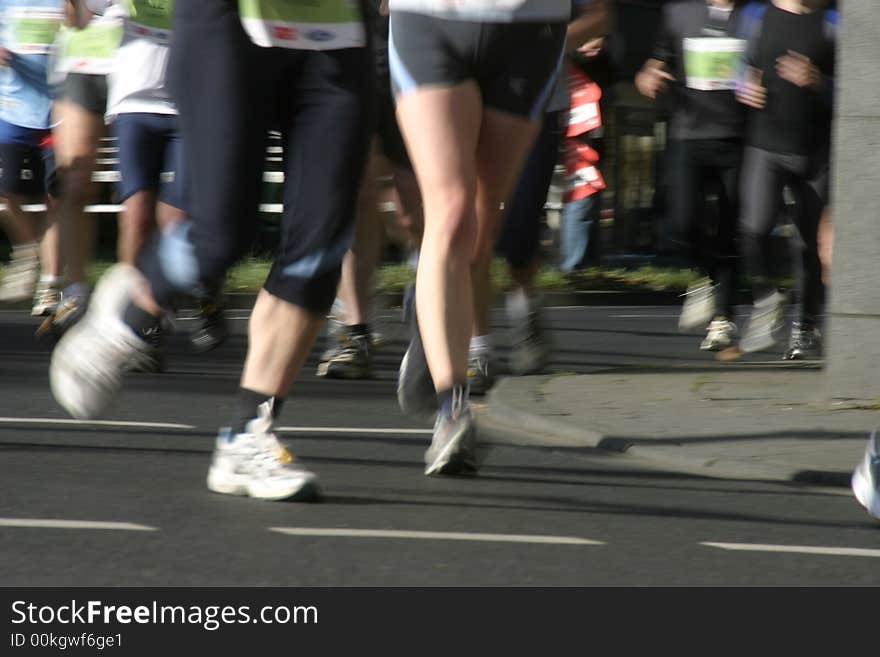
693, 67
787, 81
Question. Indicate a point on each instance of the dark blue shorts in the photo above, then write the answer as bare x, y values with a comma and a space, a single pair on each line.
150, 157
27, 162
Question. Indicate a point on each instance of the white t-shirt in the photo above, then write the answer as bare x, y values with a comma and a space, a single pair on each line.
501, 11
137, 83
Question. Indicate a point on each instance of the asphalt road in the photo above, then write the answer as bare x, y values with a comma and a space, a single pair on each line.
134, 490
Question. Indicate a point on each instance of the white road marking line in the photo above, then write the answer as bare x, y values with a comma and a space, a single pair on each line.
100, 423
354, 430
74, 524
169, 425
797, 549
443, 536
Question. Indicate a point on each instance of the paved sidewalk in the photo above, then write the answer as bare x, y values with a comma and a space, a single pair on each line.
771, 423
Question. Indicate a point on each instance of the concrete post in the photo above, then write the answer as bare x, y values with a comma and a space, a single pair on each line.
853, 324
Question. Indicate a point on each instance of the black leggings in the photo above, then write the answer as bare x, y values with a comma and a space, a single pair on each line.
765, 174
521, 229
229, 93
698, 167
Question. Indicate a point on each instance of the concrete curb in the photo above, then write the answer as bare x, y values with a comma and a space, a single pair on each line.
503, 422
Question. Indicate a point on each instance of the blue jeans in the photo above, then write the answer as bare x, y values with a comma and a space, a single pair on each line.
574, 231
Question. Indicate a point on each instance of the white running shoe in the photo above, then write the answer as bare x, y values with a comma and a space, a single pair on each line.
699, 306
88, 362
47, 298
765, 324
866, 478
21, 275
720, 335
256, 464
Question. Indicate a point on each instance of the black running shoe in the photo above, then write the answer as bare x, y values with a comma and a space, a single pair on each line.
210, 329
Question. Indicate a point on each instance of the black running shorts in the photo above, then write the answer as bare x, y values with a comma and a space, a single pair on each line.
515, 65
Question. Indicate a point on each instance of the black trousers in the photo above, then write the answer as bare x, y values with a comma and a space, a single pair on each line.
520, 237
765, 175
698, 168
230, 93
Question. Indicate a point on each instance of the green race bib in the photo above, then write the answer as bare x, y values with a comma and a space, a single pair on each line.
34, 29
711, 64
151, 13
91, 49
303, 24
149, 19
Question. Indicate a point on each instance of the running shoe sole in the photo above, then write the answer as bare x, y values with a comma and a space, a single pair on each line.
221, 482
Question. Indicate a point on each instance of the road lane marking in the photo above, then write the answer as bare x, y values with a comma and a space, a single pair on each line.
100, 423
797, 549
43, 523
354, 430
442, 536
169, 425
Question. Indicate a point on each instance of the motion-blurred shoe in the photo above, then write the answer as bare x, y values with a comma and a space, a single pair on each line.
21, 275
415, 387
480, 374
453, 449
352, 358
530, 347
209, 327
88, 362
721, 335
699, 306
765, 324
47, 296
866, 478
805, 342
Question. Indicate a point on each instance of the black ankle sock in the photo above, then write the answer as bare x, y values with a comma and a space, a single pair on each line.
140, 321
248, 403
446, 398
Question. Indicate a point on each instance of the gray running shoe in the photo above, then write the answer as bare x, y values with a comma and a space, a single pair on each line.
352, 359
720, 335
866, 478
480, 376
764, 324
69, 312
21, 275
530, 349
255, 463
699, 306
453, 449
415, 387
805, 342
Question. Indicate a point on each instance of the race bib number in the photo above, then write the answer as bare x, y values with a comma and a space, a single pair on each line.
303, 24
711, 64
150, 19
91, 49
34, 29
